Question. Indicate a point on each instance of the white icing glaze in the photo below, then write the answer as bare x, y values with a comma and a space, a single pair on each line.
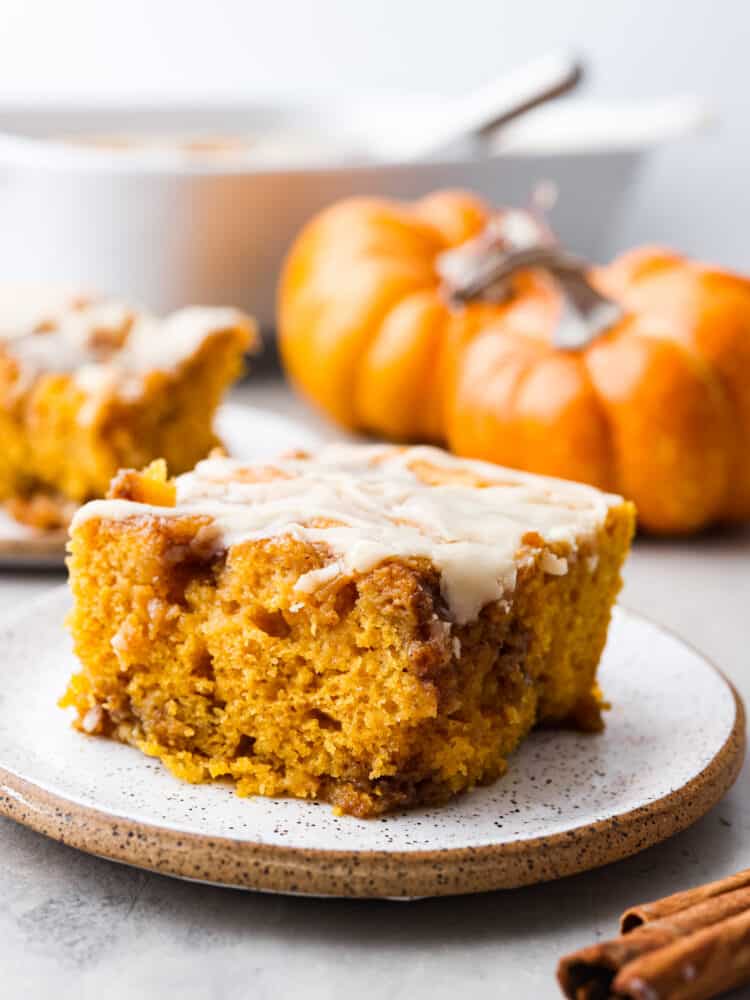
24, 308
367, 503
554, 565
107, 346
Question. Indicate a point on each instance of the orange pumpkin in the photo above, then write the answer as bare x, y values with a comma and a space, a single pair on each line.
656, 408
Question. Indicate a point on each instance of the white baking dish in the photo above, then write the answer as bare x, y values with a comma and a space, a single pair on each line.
164, 229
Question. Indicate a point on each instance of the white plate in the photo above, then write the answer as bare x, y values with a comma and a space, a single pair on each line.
253, 434
248, 433
672, 745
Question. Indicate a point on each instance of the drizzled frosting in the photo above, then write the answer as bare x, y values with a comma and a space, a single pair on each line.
369, 503
107, 346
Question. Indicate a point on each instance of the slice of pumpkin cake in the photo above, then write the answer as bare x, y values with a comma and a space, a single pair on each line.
88, 386
372, 626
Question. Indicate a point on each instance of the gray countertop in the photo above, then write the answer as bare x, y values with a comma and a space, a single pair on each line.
74, 926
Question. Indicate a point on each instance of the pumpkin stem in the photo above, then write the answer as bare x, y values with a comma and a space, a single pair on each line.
468, 272
482, 269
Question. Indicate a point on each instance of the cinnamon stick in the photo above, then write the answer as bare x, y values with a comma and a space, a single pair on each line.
646, 912
697, 967
614, 968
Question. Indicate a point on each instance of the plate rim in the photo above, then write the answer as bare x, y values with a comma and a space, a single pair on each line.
384, 874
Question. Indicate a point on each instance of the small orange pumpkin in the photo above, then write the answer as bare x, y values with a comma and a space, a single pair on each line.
657, 407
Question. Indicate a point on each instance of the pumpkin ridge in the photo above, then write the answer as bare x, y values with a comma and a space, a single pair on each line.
375, 319
338, 335
706, 310
485, 406
395, 380
692, 493
612, 477
591, 424
725, 385
363, 409
731, 419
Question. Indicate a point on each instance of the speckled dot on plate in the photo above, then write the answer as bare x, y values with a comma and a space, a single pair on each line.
674, 743
248, 432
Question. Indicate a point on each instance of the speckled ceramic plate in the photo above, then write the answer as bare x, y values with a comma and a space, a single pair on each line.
673, 745
248, 433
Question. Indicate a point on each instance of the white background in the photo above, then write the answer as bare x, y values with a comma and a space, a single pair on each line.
693, 195
77, 928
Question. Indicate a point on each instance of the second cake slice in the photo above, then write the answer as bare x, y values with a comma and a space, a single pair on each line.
89, 386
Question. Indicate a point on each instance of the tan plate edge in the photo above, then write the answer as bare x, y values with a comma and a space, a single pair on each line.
376, 873
41, 549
